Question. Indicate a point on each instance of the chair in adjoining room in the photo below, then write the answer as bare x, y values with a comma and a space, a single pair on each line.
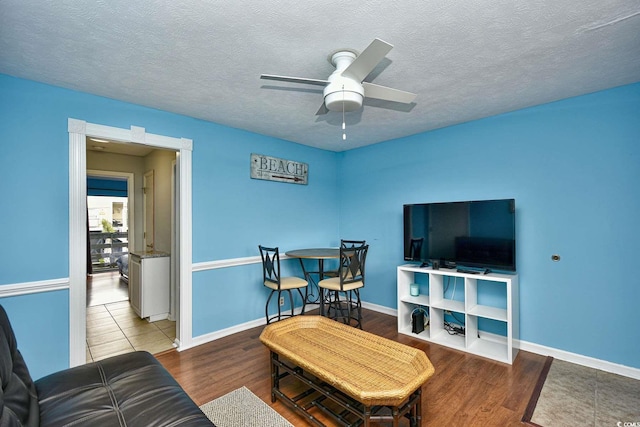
343, 299
277, 284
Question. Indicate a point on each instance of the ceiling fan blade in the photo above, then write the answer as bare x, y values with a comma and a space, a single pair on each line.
294, 79
367, 60
322, 110
387, 94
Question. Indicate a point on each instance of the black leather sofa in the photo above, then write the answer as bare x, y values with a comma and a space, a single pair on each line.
132, 389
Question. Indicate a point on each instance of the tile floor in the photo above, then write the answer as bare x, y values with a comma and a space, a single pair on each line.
114, 328
105, 288
577, 395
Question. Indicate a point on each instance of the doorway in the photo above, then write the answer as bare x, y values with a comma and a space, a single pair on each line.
110, 210
78, 132
116, 321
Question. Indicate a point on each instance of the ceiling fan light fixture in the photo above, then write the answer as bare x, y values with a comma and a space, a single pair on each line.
343, 93
350, 101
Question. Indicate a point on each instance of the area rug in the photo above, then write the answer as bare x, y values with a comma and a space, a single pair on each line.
569, 394
242, 408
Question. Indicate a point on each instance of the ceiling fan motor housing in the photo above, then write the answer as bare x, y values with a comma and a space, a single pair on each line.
342, 90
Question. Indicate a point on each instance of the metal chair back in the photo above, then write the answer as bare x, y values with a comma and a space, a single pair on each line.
352, 263
351, 243
270, 264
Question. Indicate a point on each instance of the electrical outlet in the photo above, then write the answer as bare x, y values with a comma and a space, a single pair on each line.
281, 300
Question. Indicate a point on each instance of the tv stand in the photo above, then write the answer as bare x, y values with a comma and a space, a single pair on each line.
488, 298
424, 264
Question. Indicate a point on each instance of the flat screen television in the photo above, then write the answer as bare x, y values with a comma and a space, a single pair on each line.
479, 234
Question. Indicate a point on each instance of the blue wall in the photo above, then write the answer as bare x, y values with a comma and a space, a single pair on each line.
40, 322
573, 167
232, 213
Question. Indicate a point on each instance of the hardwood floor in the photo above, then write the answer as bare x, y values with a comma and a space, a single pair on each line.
465, 390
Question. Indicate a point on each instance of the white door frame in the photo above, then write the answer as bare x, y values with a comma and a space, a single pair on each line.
175, 238
78, 132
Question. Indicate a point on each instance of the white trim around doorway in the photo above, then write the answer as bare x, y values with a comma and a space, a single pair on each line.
78, 132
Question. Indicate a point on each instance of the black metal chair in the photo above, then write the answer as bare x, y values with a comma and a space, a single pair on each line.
344, 244
348, 284
352, 243
277, 284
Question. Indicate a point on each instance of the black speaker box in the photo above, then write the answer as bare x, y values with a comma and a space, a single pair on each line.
417, 321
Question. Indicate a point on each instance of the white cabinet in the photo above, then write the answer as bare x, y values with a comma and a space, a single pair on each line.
486, 305
149, 284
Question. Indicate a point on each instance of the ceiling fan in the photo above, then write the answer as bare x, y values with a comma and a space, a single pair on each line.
344, 90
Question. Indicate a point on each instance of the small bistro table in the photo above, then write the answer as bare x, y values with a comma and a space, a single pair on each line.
319, 254
354, 377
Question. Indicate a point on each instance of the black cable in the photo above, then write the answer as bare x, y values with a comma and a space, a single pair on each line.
453, 330
449, 328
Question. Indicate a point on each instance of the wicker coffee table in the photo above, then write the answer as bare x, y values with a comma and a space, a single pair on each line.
352, 376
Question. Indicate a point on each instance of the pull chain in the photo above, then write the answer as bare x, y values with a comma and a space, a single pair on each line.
344, 133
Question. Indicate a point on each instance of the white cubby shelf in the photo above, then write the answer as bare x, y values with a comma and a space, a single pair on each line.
502, 309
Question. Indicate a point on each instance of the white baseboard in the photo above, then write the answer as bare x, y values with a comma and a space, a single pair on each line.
579, 359
203, 339
380, 308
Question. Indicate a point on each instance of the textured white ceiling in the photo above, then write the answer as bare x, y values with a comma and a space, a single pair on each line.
465, 59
